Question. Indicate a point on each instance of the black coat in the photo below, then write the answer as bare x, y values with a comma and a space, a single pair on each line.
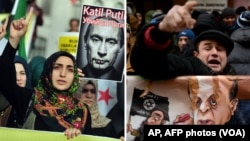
18, 97
239, 58
160, 64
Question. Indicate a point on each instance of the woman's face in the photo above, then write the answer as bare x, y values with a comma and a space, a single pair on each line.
88, 95
63, 73
21, 77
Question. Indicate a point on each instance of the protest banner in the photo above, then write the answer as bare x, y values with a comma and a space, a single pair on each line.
13, 134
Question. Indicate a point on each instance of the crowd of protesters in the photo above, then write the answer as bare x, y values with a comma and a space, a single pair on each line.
229, 21
40, 94
185, 41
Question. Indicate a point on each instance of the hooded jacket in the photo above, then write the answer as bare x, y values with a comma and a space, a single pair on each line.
239, 57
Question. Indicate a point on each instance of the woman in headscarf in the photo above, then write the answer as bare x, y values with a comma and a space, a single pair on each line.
15, 76
23, 80
23, 73
87, 93
58, 82
55, 106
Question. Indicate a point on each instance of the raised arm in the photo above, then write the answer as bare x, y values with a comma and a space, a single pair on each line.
17, 96
150, 56
18, 28
178, 18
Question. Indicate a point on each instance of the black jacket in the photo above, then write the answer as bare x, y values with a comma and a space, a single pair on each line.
18, 97
159, 64
239, 58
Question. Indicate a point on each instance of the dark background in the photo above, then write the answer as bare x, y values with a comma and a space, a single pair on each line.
164, 5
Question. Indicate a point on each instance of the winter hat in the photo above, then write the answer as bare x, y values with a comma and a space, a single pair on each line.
240, 9
148, 16
205, 21
244, 19
156, 14
227, 12
219, 36
187, 32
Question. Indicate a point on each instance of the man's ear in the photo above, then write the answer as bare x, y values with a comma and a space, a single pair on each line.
195, 53
233, 105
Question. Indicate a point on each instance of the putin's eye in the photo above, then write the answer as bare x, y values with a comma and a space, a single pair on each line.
95, 39
111, 42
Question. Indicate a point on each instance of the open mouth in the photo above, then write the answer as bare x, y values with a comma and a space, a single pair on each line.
214, 63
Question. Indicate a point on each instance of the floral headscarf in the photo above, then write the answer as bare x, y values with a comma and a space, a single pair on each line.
50, 102
45, 82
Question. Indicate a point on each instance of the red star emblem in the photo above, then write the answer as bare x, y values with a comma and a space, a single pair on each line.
73, 1
105, 96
